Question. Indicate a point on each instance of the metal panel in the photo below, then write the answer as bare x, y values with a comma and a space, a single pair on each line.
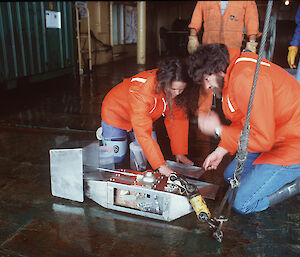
29, 49
66, 170
170, 206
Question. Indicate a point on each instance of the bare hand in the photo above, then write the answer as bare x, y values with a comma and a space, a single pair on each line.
213, 160
207, 123
183, 159
164, 170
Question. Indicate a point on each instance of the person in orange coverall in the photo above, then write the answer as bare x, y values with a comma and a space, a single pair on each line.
137, 102
272, 170
223, 22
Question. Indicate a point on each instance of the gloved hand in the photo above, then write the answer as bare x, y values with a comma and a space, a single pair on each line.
192, 44
291, 56
251, 46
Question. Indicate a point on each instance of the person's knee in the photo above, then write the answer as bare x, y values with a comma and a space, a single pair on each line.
240, 208
247, 207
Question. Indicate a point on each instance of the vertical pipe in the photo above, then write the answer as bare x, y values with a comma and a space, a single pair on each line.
3, 42
115, 24
71, 31
121, 23
89, 40
37, 37
44, 41
61, 55
141, 32
111, 23
124, 24
12, 38
65, 28
20, 32
29, 40
78, 40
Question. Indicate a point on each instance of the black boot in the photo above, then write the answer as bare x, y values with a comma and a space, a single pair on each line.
285, 192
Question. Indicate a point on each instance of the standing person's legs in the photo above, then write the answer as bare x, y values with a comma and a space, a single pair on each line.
258, 182
115, 137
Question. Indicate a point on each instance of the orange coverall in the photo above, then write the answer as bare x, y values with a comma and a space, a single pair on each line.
133, 104
275, 115
226, 29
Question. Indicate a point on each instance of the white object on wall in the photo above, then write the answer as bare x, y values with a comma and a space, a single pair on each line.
53, 19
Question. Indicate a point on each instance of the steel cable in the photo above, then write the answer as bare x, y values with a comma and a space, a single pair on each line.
241, 155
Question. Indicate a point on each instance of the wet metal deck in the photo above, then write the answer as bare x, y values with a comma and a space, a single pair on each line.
65, 113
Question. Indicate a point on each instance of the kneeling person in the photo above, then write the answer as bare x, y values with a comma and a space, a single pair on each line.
137, 102
272, 169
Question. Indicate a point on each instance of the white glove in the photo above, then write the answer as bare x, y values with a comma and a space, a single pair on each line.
192, 44
251, 46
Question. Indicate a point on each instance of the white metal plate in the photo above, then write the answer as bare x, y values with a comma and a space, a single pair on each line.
66, 170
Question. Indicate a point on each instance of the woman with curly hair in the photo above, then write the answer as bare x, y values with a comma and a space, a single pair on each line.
135, 103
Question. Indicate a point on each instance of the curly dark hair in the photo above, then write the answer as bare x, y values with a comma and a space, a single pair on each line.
188, 99
174, 69
208, 59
